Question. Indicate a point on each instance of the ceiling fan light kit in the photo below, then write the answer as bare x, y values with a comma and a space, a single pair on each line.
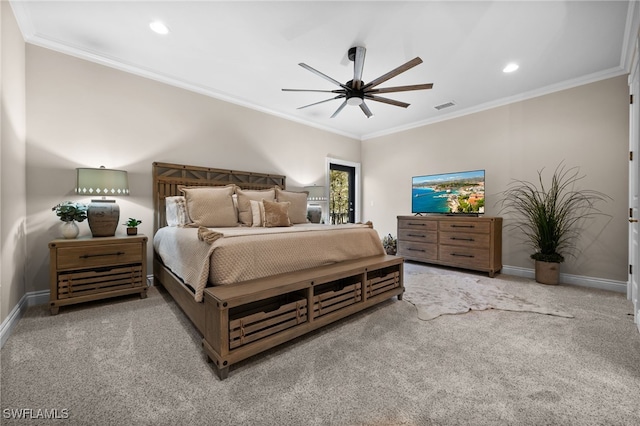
355, 101
354, 92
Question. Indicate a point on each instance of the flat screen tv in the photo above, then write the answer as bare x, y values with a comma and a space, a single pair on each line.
448, 193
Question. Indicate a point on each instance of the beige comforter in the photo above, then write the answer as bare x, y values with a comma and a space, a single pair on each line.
243, 253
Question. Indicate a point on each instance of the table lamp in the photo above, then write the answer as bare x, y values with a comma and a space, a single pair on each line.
314, 199
103, 215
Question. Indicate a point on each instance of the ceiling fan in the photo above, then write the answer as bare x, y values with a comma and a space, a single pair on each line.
355, 91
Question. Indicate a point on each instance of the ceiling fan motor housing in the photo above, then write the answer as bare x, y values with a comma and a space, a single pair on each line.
351, 54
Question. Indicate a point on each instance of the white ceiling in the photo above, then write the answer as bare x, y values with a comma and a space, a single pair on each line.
246, 52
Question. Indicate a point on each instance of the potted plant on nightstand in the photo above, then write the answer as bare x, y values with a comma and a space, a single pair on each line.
551, 217
70, 213
132, 226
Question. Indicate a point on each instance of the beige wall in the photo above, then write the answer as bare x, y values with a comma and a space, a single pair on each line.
12, 163
586, 126
81, 114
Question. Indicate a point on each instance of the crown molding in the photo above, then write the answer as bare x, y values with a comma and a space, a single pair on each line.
568, 84
631, 35
57, 46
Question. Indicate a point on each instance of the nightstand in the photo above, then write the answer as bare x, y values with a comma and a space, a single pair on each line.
86, 269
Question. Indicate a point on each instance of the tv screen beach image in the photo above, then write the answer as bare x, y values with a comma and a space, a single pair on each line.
461, 192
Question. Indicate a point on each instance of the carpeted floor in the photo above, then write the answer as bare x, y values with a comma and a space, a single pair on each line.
139, 362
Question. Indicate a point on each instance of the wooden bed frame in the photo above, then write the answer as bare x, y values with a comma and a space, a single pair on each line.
240, 320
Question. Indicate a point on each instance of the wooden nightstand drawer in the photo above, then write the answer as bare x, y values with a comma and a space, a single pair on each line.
92, 281
98, 255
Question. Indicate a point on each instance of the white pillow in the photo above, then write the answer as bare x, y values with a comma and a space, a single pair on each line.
176, 211
257, 211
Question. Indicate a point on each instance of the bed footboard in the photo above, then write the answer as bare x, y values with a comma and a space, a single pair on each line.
248, 318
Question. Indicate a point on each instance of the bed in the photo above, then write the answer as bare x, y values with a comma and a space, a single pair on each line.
254, 274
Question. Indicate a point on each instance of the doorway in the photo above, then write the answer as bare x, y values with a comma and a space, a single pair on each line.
633, 288
344, 192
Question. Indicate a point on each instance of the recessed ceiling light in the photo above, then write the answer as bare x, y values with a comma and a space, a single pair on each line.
159, 27
511, 67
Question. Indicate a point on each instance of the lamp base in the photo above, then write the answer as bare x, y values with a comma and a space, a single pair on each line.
103, 217
314, 213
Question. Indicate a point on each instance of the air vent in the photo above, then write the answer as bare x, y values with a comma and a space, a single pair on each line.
445, 105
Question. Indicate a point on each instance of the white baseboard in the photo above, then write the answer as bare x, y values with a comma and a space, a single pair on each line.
30, 299
578, 280
33, 298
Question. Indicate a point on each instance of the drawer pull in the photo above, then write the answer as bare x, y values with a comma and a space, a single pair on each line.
412, 249
461, 239
462, 255
87, 256
462, 226
416, 235
417, 224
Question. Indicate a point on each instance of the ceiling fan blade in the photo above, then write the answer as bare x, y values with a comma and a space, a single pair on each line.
358, 65
366, 110
314, 90
321, 102
316, 72
386, 101
339, 109
402, 68
401, 88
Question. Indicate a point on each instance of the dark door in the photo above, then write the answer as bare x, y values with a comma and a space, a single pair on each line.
342, 194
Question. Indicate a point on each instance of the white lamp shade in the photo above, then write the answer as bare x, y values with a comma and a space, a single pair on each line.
102, 182
316, 193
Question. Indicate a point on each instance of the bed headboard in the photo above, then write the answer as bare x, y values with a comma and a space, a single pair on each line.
167, 177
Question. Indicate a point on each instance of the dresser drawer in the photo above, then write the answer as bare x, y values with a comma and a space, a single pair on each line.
417, 251
464, 256
98, 255
417, 224
465, 226
418, 235
465, 239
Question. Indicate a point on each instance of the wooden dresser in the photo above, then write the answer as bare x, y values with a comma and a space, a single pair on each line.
464, 242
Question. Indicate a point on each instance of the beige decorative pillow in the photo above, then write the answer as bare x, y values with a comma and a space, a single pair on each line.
210, 206
275, 214
244, 202
257, 212
298, 200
